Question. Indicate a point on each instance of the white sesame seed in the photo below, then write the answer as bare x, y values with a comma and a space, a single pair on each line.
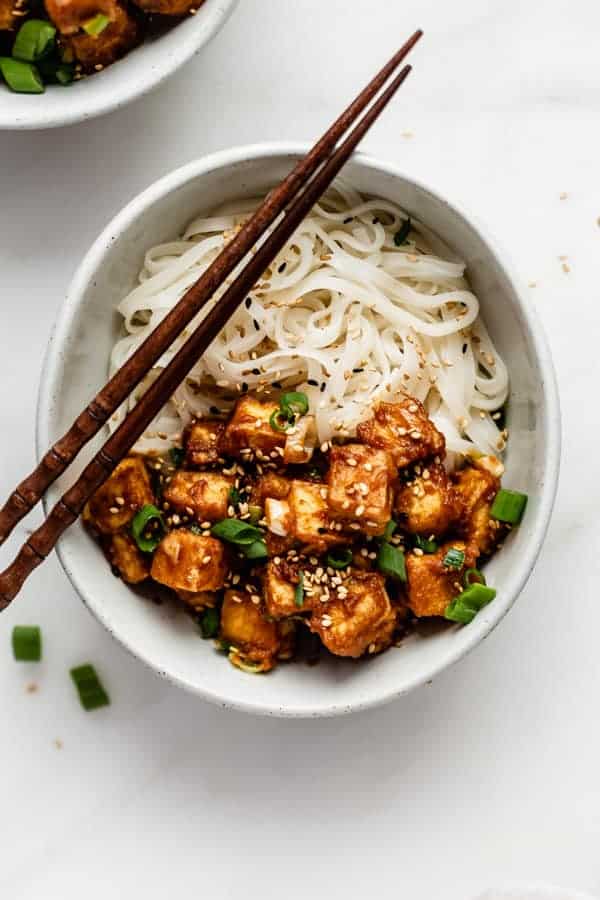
206, 559
351, 461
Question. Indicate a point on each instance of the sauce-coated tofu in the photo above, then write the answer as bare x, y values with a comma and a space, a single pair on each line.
205, 494
279, 587
254, 640
250, 428
202, 442
405, 430
119, 37
200, 601
359, 481
431, 584
186, 561
270, 485
116, 502
361, 621
476, 488
7, 15
133, 565
311, 516
427, 504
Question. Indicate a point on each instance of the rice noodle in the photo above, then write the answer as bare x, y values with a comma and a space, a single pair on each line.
343, 314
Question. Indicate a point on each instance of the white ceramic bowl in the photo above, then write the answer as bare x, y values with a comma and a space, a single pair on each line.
76, 366
137, 73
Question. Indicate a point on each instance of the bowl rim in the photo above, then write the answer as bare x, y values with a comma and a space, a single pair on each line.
156, 73
551, 429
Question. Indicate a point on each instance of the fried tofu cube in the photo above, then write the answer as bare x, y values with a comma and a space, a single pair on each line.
405, 430
116, 502
202, 442
7, 14
198, 601
311, 517
270, 485
250, 429
280, 581
360, 486
431, 584
185, 561
427, 504
205, 495
122, 34
361, 620
476, 488
132, 565
253, 639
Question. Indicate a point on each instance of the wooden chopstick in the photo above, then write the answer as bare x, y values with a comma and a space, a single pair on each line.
126, 379
68, 508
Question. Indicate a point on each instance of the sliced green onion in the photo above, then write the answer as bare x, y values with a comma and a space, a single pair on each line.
96, 25
389, 530
234, 496
223, 645
177, 456
390, 561
256, 514
90, 688
340, 558
21, 77
473, 576
425, 544
295, 402
281, 421
299, 591
234, 531
64, 73
209, 623
147, 540
257, 550
35, 39
402, 233
454, 559
509, 506
27, 643
465, 607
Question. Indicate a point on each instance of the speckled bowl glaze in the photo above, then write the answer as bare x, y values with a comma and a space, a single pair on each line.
133, 76
76, 366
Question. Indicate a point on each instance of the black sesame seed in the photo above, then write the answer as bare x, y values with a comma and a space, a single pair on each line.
248, 302
278, 385
215, 410
357, 371
348, 220
255, 371
464, 348
312, 382
256, 325
375, 221
282, 267
244, 387
323, 386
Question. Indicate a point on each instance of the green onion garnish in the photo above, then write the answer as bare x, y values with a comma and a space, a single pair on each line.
21, 77
209, 623
177, 456
473, 576
90, 688
256, 550
234, 531
295, 402
509, 506
96, 25
299, 591
339, 558
281, 420
465, 607
35, 39
256, 514
425, 544
389, 530
148, 528
27, 643
234, 496
402, 233
64, 73
454, 559
390, 561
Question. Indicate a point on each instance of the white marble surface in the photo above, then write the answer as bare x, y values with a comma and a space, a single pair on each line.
490, 775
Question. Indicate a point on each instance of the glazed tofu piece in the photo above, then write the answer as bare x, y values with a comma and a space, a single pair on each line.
310, 516
280, 581
185, 561
69, 16
360, 487
427, 504
169, 7
205, 495
8, 19
122, 34
361, 621
270, 485
300, 443
431, 584
202, 442
249, 429
116, 502
198, 601
475, 489
405, 430
255, 642
132, 565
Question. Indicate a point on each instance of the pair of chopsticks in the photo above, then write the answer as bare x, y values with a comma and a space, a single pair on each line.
294, 198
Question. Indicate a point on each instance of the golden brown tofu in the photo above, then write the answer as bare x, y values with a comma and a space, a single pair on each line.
199, 601
270, 485
361, 621
132, 565
249, 428
69, 16
360, 486
202, 442
116, 502
310, 516
168, 7
405, 430
124, 32
280, 581
186, 561
427, 504
476, 488
8, 19
205, 495
255, 642
431, 584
